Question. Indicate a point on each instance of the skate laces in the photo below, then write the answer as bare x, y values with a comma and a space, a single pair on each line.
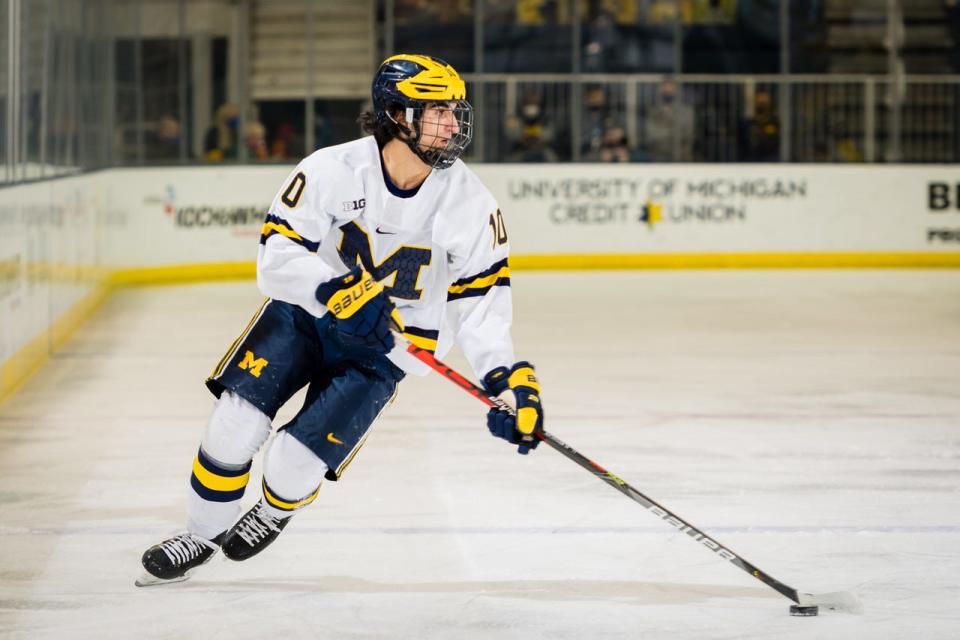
184, 548
257, 525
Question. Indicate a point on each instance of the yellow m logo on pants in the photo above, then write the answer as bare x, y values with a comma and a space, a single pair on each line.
253, 364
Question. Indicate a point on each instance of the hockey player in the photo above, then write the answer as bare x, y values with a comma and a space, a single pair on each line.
388, 233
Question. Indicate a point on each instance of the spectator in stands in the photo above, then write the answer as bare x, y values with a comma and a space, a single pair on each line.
762, 129
163, 142
255, 139
668, 126
286, 145
531, 147
432, 11
601, 39
596, 113
529, 134
323, 134
527, 35
220, 141
613, 145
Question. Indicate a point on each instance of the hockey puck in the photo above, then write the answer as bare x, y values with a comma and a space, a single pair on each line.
799, 610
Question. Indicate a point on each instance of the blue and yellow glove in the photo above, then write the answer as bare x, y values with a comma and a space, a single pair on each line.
362, 310
520, 430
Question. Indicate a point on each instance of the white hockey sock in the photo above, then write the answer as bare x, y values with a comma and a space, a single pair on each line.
235, 432
292, 474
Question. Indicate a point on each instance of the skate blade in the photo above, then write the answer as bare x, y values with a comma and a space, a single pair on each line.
148, 580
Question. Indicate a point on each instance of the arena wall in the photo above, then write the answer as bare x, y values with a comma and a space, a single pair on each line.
65, 243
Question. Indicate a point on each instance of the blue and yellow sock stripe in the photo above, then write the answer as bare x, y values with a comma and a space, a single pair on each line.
423, 338
496, 276
275, 224
217, 482
282, 503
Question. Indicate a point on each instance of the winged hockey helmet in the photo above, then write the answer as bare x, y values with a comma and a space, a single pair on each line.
414, 83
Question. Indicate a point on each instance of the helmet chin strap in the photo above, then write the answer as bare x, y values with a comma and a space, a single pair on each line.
413, 133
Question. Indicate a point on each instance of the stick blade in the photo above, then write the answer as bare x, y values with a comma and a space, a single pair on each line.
835, 601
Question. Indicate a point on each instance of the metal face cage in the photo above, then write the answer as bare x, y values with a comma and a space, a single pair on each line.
427, 138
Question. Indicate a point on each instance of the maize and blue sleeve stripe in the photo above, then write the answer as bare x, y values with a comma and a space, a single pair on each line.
217, 483
423, 338
276, 224
478, 285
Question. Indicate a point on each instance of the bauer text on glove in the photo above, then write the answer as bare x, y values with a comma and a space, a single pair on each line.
362, 310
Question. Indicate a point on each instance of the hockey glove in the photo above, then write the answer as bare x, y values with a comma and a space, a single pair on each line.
522, 428
362, 310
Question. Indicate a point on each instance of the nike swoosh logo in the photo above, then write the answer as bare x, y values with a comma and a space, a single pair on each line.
334, 439
386, 233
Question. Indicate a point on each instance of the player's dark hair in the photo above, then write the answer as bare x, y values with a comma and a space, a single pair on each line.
382, 131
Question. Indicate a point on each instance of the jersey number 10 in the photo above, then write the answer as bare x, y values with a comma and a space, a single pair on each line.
499, 229
291, 197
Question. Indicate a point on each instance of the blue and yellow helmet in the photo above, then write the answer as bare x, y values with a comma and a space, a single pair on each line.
413, 83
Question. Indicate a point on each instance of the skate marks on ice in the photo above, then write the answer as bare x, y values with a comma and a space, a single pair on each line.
621, 591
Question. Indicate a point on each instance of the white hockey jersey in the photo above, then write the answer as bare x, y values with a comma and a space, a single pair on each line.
440, 250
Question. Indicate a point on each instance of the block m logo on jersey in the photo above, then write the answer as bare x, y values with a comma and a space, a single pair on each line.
253, 364
405, 263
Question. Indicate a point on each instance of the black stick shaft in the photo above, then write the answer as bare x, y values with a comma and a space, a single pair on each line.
614, 481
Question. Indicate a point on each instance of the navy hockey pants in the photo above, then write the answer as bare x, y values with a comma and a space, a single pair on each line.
285, 348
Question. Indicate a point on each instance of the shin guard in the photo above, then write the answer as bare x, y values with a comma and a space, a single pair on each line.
221, 470
292, 474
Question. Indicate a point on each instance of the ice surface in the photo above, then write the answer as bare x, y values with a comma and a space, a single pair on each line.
806, 420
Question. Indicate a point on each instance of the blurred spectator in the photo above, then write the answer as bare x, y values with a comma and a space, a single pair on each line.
528, 35
596, 113
613, 145
541, 12
286, 144
529, 134
668, 126
762, 129
431, 11
322, 131
629, 35
844, 132
255, 139
163, 142
531, 147
601, 41
220, 141
814, 143
442, 28
709, 11
847, 149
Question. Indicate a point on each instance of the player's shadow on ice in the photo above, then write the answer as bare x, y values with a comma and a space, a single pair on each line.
622, 590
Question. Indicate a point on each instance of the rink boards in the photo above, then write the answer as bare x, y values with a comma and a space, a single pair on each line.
65, 242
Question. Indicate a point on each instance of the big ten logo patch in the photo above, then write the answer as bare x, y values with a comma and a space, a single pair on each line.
253, 364
354, 205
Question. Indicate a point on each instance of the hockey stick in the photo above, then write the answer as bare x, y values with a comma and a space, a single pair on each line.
839, 601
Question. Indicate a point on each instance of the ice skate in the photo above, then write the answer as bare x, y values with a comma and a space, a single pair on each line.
252, 534
173, 560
